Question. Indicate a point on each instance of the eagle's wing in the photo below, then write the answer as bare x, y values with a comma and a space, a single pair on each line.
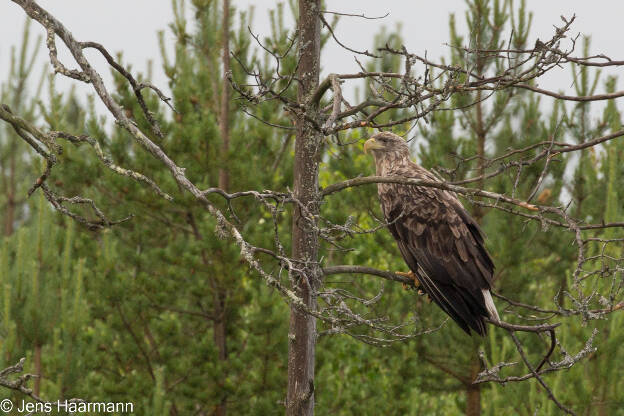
443, 246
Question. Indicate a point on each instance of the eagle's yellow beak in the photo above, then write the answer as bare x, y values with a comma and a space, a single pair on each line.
372, 144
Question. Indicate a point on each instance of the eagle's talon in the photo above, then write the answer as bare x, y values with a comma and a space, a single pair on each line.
410, 275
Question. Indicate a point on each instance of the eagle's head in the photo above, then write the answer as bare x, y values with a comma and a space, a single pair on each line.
386, 144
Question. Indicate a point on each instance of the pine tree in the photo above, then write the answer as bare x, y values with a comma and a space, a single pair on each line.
14, 91
45, 314
170, 248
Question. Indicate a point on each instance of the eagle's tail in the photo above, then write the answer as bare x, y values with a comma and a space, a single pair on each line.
490, 306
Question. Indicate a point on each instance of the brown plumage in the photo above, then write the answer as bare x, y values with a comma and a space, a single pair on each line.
440, 242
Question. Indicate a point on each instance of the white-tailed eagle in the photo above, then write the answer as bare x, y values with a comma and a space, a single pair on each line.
440, 242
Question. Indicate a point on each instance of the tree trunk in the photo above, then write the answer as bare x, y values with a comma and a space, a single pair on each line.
305, 243
37, 386
220, 340
224, 116
220, 324
473, 391
9, 216
480, 131
473, 401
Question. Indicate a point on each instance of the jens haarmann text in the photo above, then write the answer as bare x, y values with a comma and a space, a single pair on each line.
77, 407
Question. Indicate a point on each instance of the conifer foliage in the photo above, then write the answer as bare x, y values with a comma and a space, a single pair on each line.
222, 251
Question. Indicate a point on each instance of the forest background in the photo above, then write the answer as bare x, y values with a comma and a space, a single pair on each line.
159, 311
